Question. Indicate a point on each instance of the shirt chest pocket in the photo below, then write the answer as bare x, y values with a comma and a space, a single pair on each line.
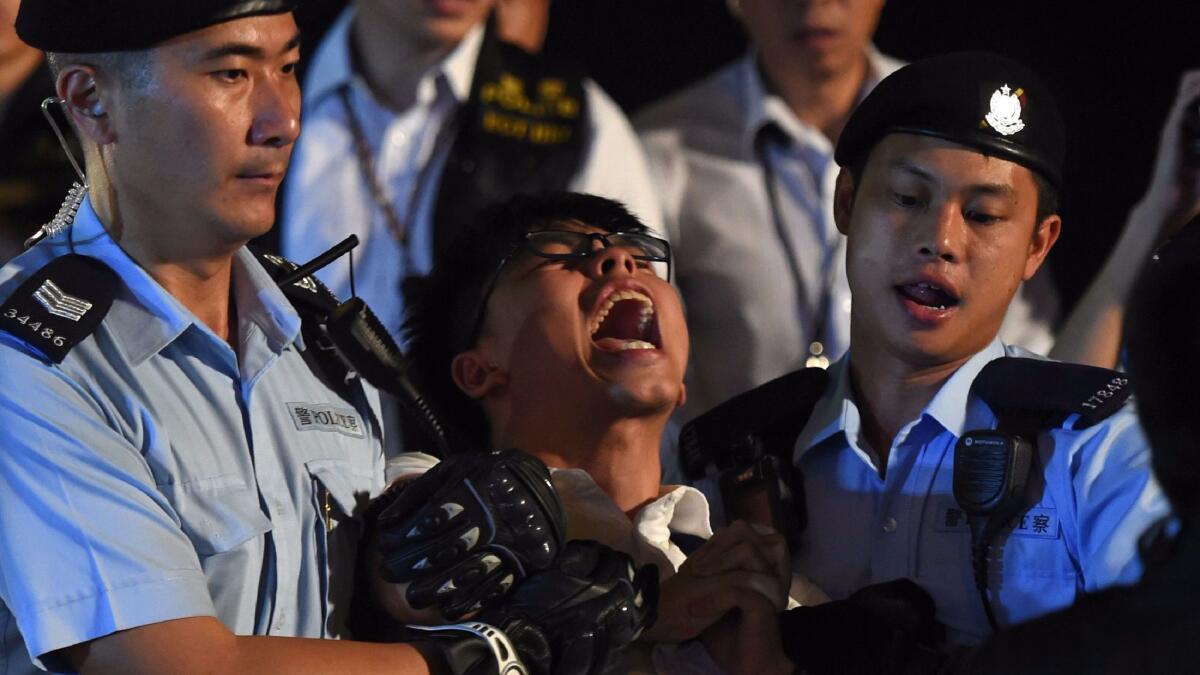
218, 514
340, 492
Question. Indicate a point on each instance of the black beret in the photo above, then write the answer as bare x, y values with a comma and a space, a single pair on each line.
89, 26
981, 100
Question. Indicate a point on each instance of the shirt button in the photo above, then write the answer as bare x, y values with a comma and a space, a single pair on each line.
889, 525
846, 306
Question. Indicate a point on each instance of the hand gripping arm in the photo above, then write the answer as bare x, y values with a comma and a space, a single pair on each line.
466, 532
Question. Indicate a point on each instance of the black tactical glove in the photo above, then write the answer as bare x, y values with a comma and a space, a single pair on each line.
880, 629
573, 619
469, 529
578, 617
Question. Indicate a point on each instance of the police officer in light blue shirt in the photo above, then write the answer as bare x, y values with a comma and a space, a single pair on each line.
873, 519
947, 195
175, 477
155, 472
948, 199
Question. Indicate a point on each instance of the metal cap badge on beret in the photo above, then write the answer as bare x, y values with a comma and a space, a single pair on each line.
88, 26
981, 100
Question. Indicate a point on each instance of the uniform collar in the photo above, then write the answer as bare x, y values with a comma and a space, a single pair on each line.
952, 407
148, 318
261, 303
332, 67
764, 107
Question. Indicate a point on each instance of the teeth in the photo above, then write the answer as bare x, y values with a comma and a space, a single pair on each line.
635, 344
923, 284
647, 309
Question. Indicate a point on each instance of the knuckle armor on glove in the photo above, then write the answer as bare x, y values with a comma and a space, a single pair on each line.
467, 531
577, 617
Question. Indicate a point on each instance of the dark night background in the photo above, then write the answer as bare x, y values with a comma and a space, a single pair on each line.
1114, 72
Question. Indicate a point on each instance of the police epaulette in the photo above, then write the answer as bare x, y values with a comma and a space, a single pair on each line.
1052, 390
307, 294
60, 305
775, 412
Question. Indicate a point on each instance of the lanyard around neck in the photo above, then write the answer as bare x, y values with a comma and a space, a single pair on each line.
397, 226
817, 358
366, 166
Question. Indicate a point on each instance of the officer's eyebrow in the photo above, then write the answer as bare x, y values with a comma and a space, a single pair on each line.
246, 49
906, 165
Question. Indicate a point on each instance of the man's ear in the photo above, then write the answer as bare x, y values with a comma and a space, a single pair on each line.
843, 200
76, 86
476, 375
682, 396
1045, 234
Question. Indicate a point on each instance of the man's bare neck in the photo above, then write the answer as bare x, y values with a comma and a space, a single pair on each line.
204, 287
820, 100
622, 457
392, 64
194, 269
890, 393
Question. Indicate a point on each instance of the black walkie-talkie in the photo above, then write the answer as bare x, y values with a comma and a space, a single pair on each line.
358, 339
991, 473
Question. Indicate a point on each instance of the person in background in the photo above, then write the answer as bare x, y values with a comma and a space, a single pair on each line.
417, 114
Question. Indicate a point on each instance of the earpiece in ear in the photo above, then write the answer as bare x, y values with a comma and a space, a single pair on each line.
97, 110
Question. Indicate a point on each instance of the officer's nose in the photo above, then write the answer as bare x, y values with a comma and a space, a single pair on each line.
941, 234
276, 113
613, 260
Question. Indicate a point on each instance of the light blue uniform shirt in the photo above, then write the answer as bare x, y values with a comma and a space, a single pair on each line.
155, 474
1097, 497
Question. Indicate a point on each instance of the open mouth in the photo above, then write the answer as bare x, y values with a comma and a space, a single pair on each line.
928, 295
625, 321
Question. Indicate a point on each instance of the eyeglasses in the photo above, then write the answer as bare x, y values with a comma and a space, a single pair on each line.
573, 245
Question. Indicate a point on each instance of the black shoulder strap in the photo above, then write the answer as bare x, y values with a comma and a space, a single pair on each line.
311, 298
775, 413
315, 303
60, 305
521, 131
1029, 395
347, 337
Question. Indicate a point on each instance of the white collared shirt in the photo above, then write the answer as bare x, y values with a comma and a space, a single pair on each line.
326, 198
736, 262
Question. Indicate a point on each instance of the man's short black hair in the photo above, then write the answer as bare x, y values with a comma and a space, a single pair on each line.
1162, 339
441, 308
